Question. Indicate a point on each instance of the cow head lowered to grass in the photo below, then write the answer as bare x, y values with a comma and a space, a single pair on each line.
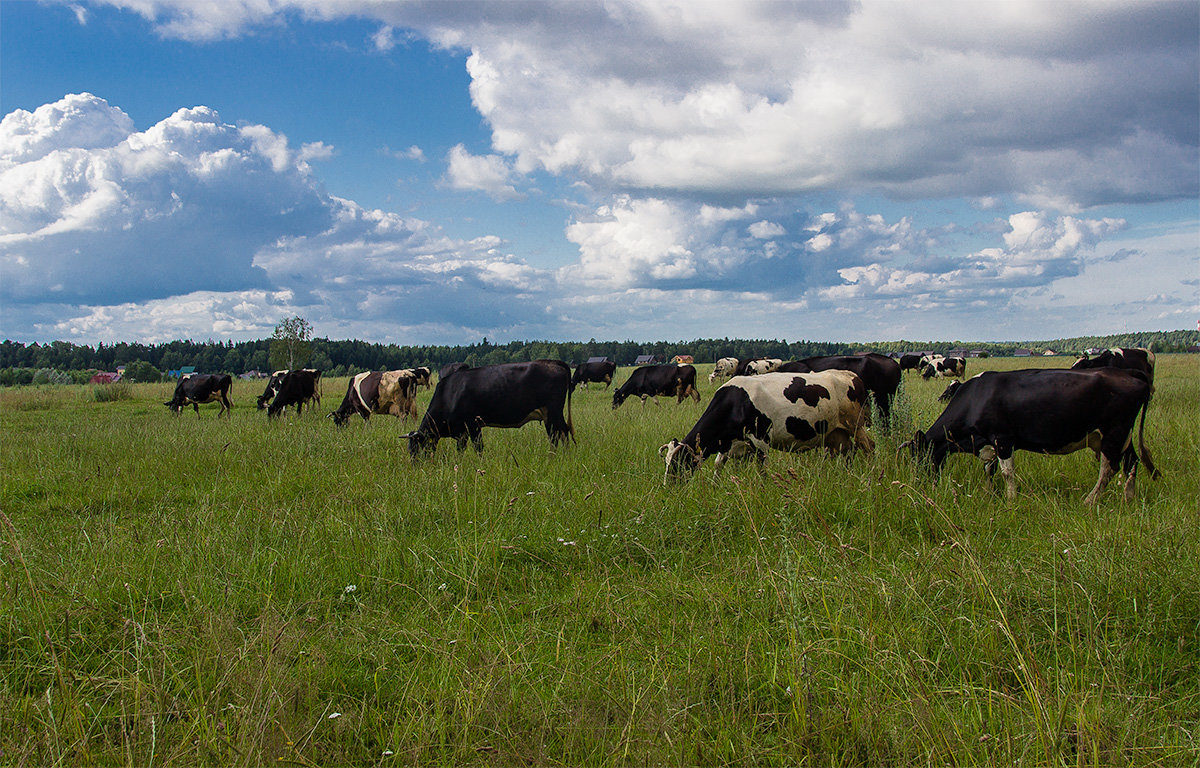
786, 411
1044, 411
505, 395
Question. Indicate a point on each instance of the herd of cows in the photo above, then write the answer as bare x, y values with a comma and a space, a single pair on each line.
818, 402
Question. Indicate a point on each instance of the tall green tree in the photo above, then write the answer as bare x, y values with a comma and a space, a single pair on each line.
291, 347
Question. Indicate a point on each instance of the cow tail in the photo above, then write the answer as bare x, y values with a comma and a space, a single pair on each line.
1143, 451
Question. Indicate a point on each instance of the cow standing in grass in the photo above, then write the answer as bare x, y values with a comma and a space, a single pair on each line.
785, 411
196, 389
392, 392
669, 380
506, 395
1044, 411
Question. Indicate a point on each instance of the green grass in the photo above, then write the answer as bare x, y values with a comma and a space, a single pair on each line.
183, 591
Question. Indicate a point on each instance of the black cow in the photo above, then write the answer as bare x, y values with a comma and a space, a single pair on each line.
196, 389
1047, 411
944, 366
880, 373
788, 411
273, 384
293, 388
381, 392
654, 380
1127, 358
910, 362
600, 372
505, 395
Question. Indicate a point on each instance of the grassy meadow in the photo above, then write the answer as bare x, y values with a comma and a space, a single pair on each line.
195, 591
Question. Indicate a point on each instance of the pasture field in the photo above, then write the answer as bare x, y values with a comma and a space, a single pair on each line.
184, 591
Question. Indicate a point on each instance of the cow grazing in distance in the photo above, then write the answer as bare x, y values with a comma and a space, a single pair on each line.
273, 384
506, 395
1126, 358
196, 389
910, 362
380, 392
450, 368
293, 388
945, 366
786, 411
423, 375
669, 380
880, 374
601, 372
723, 369
754, 366
1046, 411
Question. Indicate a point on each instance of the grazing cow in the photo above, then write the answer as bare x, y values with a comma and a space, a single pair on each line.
505, 395
724, 368
381, 392
910, 362
655, 380
450, 368
945, 366
880, 374
293, 388
1127, 358
787, 411
1047, 411
949, 391
754, 366
196, 389
424, 376
273, 384
600, 372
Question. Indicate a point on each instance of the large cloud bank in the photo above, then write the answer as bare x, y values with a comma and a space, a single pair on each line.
698, 136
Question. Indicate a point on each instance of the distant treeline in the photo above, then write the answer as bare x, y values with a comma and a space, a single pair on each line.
19, 363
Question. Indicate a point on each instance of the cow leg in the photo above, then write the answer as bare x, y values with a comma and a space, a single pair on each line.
196, 408
1106, 473
477, 440
1009, 471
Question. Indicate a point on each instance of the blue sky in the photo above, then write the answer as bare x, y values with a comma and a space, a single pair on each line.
436, 172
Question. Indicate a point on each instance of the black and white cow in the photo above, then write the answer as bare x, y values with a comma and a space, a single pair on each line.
724, 368
1127, 358
273, 387
754, 366
601, 372
423, 375
910, 362
196, 389
1045, 411
505, 395
669, 380
392, 392
786, 411
880, 374
944, 366
292, 388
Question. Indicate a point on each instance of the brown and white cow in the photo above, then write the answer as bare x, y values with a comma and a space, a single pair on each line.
785, 411
381, 392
